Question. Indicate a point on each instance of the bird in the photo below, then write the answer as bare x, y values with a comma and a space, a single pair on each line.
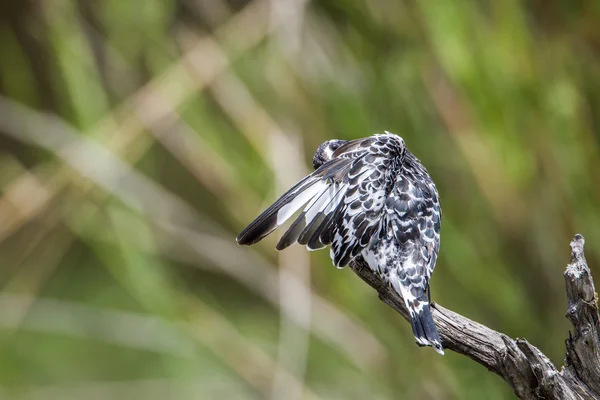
374, 203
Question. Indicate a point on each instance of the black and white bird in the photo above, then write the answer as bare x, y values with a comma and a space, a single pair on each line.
374, 202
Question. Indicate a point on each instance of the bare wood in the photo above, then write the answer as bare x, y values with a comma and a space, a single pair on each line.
525, 368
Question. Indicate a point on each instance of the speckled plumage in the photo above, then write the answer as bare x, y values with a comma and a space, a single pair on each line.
374, 203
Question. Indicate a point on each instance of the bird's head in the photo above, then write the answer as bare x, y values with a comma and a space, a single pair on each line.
325, 152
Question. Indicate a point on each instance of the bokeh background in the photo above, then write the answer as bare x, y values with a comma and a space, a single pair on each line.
137, 138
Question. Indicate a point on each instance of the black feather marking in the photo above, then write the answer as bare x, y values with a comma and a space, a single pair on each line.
366, 238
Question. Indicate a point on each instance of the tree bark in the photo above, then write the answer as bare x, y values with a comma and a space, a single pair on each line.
525, 368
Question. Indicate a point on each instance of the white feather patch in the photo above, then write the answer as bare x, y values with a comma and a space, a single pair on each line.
318, 204
301, 199
402, 290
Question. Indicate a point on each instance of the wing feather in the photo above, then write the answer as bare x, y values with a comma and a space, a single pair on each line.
290, 202
310, 213
344, 200
272, 217
311, 235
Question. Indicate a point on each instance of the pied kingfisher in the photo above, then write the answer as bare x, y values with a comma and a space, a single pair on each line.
374, 202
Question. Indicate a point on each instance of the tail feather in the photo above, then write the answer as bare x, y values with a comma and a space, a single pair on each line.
424, 328
416, 298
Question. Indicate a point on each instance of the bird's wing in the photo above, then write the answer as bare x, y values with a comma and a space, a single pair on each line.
344, 200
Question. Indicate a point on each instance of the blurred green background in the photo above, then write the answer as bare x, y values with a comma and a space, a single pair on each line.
137, 138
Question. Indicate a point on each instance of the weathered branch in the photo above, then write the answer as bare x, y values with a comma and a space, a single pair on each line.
525, 368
